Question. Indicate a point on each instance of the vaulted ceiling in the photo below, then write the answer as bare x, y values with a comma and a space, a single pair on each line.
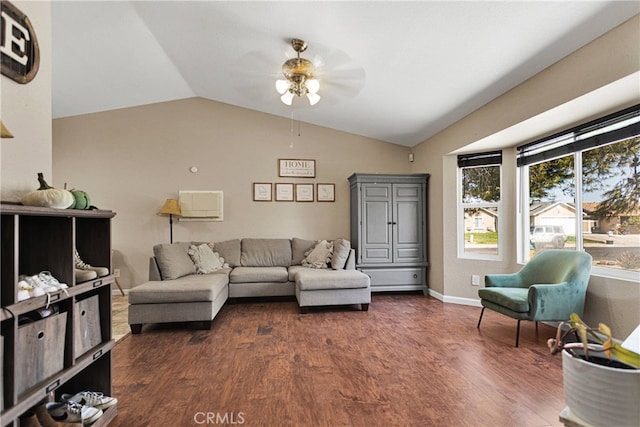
395, 71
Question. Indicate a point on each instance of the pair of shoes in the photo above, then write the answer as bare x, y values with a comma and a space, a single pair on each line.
72, 412
91, 398
85, 271
46, 420
84, 407
38, 285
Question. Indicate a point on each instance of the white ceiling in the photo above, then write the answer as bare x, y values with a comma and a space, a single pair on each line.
395, 71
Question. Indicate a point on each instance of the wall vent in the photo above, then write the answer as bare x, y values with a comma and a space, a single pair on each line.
201, 205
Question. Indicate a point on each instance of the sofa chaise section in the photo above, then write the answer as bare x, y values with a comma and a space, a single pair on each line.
196, 298
332, 287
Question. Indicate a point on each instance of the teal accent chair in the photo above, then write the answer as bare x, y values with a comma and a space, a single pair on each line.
549, 288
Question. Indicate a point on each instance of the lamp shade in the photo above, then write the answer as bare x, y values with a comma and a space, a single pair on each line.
170, 207
4, 132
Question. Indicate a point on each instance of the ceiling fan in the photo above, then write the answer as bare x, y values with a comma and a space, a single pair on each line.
299, 76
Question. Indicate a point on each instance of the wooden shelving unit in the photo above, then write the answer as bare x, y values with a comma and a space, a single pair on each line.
37, 362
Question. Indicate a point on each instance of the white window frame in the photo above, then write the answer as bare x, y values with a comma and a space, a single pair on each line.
523, 254
461, 206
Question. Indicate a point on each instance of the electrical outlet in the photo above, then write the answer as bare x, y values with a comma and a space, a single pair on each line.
116, 272
475, 280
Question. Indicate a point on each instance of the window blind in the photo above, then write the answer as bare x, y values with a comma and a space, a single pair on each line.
606, 130
480, 159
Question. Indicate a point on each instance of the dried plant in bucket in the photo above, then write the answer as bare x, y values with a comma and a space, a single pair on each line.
591, 340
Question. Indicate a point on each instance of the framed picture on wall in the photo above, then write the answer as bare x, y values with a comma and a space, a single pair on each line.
300, 168
304, 193
262, 192
326, 192
284, 192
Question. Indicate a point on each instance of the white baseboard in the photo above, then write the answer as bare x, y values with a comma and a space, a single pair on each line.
436, 295
454, 300
462, 301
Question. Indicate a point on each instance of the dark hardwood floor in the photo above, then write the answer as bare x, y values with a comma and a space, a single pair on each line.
409, 361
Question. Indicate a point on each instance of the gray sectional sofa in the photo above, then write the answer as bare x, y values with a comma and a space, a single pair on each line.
244, 268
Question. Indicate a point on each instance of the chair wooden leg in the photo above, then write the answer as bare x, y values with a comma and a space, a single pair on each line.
480, 319
119, 287
518, 333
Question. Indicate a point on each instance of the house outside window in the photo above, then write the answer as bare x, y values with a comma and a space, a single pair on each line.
580, 190
479, 201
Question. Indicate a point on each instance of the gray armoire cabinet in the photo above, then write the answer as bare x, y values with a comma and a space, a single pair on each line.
389, 229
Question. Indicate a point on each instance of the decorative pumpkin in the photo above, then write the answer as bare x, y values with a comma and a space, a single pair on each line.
47, 196
82, 199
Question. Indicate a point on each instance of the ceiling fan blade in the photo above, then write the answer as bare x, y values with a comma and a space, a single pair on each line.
257, 63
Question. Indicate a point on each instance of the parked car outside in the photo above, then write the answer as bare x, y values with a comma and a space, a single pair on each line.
543, 235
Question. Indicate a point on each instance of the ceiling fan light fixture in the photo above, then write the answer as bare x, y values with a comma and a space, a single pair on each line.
299, 74
282, 86
287, 98
313, 85
313, 98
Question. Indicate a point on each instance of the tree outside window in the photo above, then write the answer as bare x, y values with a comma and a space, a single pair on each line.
480, 201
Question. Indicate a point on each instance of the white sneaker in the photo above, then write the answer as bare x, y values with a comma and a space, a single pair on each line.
26, 291
37, 283
23, 290
51, 282
81, 265
91, 398
72, 412
23, 295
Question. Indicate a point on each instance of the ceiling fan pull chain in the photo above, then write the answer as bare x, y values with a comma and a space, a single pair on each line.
292, 121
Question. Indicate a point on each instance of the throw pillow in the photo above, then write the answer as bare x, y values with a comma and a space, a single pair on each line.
205, 260
341, 250
319, 256
173, 260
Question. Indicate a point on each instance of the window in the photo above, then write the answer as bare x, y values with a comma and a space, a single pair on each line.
479, 205
580, 190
